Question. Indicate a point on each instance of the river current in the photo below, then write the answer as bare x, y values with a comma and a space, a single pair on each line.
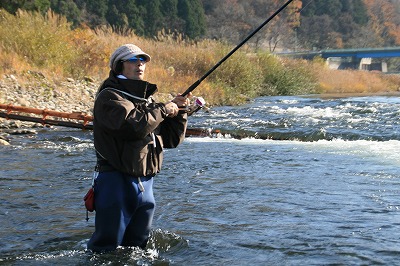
314, 181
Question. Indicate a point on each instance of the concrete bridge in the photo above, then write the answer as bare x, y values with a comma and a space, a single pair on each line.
360, 58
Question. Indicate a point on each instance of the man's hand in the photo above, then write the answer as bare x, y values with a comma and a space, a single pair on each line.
172, 109
182, 101
179, 102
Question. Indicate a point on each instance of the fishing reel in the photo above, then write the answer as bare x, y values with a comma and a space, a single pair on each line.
197, 104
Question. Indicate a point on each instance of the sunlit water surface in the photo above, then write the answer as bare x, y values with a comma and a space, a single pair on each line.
323, 189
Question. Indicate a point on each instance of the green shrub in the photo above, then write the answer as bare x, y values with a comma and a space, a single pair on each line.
239, 76
286, 77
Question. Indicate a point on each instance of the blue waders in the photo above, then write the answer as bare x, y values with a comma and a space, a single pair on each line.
124, 213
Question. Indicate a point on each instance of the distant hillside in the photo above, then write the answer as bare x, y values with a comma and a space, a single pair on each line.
307, 24
304, 24
145, 17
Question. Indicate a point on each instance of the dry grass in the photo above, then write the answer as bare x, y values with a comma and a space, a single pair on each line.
354, 81
46, 45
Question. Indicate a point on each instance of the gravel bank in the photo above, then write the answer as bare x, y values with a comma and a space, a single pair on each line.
37, 92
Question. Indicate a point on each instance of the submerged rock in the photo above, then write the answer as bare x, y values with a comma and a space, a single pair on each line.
4, 142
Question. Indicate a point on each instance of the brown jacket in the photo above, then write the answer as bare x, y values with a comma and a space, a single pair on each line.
130, 132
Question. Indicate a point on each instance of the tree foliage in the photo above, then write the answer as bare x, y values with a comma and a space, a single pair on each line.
34, 5
306, 24
145, 17
341, 20
384, 21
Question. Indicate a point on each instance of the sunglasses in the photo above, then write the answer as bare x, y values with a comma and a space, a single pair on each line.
136, 59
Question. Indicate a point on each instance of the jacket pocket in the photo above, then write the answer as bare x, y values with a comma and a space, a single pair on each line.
134, 157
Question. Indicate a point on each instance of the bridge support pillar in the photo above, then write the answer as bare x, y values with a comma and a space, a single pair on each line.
355, 63
364, 63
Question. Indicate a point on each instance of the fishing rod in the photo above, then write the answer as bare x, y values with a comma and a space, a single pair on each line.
197, 83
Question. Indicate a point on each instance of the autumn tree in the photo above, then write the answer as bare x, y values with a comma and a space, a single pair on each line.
384, 21
234, 20
331, 24
225, 20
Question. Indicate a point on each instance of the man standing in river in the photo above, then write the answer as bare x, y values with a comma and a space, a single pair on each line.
130, 132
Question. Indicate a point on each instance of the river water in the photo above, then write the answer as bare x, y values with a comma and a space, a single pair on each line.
318, 184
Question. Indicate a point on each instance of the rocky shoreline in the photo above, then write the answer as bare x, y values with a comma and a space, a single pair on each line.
66, 96
37, 92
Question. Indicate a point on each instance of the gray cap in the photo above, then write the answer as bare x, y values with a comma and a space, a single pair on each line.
125, 52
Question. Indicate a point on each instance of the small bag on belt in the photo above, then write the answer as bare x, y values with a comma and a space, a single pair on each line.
89, 197
89, 200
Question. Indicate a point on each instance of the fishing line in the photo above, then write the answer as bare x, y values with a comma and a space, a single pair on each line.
305, 6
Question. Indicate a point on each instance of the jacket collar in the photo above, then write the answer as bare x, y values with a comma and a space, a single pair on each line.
139, 88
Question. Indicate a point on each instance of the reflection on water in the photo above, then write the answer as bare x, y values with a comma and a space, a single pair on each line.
224, 201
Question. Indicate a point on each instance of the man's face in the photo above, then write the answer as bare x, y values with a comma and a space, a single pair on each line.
134, 68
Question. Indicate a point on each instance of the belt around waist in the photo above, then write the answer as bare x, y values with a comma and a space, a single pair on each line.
106, 167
